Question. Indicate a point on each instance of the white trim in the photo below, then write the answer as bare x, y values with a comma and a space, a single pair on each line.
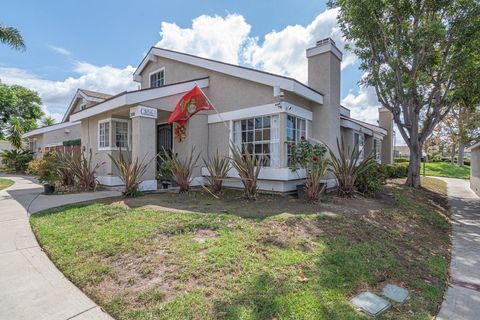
233, 70
139, 96
366, 128
79, 94
263, 110
148, 185
110, 180
107, 138
327, 47
157, 71
269, 173
56, 126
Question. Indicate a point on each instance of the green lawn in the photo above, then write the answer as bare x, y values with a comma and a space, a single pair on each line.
446, 169
5, 183
144, 263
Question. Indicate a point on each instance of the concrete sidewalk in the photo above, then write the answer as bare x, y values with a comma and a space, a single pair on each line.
463, 296
31, 287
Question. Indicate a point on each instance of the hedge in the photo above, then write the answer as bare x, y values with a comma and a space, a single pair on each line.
74, 142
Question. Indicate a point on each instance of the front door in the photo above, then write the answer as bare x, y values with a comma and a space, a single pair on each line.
164, 140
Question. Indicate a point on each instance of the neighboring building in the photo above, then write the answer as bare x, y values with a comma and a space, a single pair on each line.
52, 137
255, 110
5, 145
402, 151
475, 168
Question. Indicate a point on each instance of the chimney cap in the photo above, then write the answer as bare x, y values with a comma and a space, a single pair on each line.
325, 41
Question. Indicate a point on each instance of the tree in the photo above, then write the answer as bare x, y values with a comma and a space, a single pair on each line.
11, 37
48, 121
20, 103
14, 133
410, 52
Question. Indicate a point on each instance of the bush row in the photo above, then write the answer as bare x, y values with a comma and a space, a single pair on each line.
372, 180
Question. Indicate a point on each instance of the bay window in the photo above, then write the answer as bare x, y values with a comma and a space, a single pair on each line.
113, 134
296, 131
258, 136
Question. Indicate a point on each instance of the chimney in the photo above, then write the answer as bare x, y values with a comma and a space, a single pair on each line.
324, 62
385, 120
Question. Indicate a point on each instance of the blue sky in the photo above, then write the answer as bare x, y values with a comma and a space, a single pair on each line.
97, 44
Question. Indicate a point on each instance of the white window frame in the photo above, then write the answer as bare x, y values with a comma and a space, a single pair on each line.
107, 137
157, 71
361, 136
286, 132
112, 135
378, 149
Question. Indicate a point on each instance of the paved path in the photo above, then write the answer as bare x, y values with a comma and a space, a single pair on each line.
463, 296
31, 287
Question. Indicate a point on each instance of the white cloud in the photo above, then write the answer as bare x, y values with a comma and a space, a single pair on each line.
56, 95
55, 115
61, 51
284, 51
210, 37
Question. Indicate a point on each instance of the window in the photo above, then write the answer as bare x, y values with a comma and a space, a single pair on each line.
157, 79
32, 145
121, 134
83, 106
104, 134
258, 136
376, 149
359, 141
296, 129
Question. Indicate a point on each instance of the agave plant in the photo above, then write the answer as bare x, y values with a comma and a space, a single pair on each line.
316, 170
131, 171
218, 168
83, 170
248, 167
180, 170
347, 166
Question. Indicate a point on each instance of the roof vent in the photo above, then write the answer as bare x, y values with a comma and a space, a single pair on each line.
325, 41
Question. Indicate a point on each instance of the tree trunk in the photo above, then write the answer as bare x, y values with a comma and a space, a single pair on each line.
413, 178
452, 156
461, 150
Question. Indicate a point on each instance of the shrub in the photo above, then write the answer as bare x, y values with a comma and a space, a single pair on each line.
16, 160
130, 171
371, 181
218, 168
73, 142
180, 170
466, 162
81, 168
45, 168
346, 168
316, 170
398, 170
248, 167
401, 160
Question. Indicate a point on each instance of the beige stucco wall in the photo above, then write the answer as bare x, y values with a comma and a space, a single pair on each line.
55, 137
475, 171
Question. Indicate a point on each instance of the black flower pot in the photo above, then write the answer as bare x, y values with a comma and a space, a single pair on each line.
48, 189
165, 185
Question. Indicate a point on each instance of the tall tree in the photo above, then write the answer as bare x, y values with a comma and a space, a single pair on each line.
410, 51
11, 37
20, 103
48, 121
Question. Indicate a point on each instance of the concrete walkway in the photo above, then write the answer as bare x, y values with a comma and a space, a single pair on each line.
31, 287
463, 296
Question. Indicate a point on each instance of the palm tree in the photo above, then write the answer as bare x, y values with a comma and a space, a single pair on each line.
48, 121
15, 132
11, 37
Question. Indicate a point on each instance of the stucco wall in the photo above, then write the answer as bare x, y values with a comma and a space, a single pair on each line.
475, 171
55, 137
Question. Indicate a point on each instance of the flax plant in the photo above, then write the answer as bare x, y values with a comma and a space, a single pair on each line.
218, 167
248, 167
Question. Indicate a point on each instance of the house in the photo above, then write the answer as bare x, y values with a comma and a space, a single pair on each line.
56, 136
254, 110
475, 168
402, 151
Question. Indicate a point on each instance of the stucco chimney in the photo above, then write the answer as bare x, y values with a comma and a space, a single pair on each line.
324, 62
385, 120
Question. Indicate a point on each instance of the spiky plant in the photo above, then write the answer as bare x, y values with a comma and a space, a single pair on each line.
218, 167
248, 167
347, 166
316, 170
83, 170
131, 171
180, 170
14, 133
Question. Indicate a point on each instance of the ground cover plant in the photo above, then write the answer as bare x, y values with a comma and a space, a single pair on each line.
177, 256
5, 183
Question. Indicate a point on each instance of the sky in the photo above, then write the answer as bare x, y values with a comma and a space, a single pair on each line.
97, 45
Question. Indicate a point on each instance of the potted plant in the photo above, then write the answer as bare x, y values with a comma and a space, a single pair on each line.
310, 158
46, 170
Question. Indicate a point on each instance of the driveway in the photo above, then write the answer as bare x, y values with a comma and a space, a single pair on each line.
462, 300
31, 287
